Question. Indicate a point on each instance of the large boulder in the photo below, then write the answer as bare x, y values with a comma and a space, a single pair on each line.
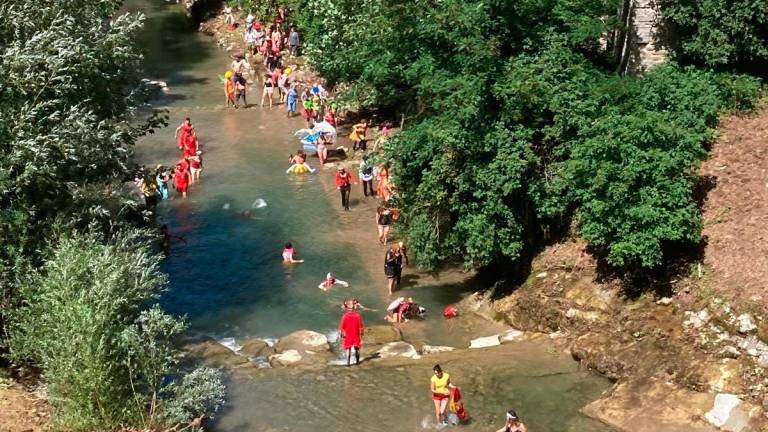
254, 348
303, 348
303, 340
212, 353
287, 358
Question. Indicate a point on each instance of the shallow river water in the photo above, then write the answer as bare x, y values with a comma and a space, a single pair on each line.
230, 283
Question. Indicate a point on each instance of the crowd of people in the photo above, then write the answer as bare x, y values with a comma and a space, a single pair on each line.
271, 42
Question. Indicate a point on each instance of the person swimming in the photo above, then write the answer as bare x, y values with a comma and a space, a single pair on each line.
288, 255
330, 280
299, 164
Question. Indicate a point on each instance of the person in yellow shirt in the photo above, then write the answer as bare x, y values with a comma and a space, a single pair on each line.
440, 386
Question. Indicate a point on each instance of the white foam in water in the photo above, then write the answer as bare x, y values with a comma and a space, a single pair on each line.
225, 206
259, 203
332, 335
261, 363
270, 341
230, 343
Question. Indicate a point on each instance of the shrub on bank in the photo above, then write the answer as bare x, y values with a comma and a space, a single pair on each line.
108, 361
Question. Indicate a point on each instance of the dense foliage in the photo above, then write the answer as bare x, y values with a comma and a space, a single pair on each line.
75, 304
721, 33
106, 357
517, 127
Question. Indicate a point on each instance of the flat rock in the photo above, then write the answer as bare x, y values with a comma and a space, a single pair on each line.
485, 342
434, 349
381, 334
214, 354
286, 358
511, 335
303, 340
398, 349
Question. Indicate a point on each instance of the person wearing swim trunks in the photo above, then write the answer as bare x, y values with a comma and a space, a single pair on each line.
288, 255
513, 423
440, 386
229, 92
351, 332
240, 90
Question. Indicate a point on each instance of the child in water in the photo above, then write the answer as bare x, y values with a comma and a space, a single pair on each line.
288, 255
330, 280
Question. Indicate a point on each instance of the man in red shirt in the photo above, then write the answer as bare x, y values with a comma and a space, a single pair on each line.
351, 332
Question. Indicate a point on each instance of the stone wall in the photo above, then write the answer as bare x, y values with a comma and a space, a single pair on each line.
647, 27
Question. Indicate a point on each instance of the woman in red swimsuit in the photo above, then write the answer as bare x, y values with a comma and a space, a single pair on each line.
184, 129
181, 178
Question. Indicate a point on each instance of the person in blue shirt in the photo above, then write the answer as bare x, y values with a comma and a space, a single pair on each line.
291, 101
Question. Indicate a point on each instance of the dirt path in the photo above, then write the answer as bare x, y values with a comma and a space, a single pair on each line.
22, 411
736, 210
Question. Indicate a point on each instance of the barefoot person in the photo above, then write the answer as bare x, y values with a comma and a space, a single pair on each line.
383, 221
440, 386
344, 182
513, 423
390, 267
166, 238
288, 255
351, 332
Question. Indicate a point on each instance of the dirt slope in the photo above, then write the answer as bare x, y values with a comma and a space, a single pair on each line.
736, 210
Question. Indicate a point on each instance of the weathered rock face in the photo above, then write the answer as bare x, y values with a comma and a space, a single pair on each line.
286, 358
652, 407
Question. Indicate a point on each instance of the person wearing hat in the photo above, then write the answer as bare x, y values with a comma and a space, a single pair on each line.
513, 423
239, 65
344, 182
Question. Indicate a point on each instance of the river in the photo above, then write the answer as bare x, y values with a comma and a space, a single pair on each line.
228, 279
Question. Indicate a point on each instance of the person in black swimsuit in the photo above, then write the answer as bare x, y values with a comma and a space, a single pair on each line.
513, 423
269, 88
383, 221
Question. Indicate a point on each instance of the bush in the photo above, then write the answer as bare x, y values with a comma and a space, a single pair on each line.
104, 356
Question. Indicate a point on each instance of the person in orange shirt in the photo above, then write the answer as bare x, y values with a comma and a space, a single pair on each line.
229, 92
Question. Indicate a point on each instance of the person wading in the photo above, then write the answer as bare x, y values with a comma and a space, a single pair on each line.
513, 423
344, 182
351, 332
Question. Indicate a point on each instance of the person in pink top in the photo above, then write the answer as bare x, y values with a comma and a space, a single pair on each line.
351, 332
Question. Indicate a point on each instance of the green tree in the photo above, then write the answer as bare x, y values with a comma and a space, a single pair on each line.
720, 33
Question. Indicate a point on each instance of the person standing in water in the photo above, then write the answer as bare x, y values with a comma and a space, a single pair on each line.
166, 238
390, 268
513, 423
366, 176
440, 386
181, 179
344, 182
351, 332
288, 255
184, 129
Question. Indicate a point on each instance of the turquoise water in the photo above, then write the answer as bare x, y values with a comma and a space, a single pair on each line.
230, 282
